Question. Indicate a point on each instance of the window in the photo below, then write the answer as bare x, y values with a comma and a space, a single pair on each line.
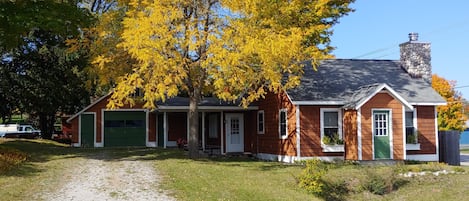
124, 124
260, 122
139, 93
381, 123
410, 130
134, 123
213, 126
114, 124
331, 126
282, 125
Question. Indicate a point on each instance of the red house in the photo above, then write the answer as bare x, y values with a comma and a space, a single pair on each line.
347, 109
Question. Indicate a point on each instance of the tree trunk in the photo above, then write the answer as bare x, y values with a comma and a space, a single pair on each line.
194, 124
46, 125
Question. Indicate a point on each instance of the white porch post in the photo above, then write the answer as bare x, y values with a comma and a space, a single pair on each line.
165, 129
203, 131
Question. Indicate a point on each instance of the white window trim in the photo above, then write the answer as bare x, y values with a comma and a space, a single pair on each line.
410, 147
286, 123
263, 122
339, 120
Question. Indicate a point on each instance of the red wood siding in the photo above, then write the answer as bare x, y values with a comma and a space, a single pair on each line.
270, 142
177, 125
350, 134
96, 108
250, 130
152, 127
74, 130
382, 101
310, 132
426, 126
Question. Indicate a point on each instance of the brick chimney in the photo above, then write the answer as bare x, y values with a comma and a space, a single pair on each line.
416, 58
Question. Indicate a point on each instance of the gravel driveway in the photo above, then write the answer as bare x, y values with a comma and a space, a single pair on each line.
102, 179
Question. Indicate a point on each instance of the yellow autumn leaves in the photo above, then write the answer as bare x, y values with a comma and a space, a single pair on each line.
228, 49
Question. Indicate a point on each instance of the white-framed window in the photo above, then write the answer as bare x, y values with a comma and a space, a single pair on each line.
381, 124
411, 132
260, 122
283, 123
331, 126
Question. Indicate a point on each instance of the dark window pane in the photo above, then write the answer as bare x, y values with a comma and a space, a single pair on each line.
283, 123
134, 123
409, 119
330, 132
114, 123
331, 119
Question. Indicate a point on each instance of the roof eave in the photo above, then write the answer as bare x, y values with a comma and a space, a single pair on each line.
392, 93
88, 107
318, 102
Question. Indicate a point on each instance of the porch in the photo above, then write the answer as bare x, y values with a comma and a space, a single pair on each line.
224, 128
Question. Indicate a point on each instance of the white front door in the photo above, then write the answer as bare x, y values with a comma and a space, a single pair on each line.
234, 132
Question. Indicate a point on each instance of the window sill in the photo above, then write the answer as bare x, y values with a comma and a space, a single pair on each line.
412, 147
333, 148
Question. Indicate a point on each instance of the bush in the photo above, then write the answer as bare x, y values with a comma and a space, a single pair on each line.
315, 180
311, 178
10, 158
382, 181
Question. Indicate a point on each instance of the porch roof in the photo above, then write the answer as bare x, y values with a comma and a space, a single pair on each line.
206, 103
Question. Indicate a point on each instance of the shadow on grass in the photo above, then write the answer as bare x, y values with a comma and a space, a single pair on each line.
41, 151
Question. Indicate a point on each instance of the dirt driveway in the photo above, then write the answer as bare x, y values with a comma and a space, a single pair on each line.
103, 179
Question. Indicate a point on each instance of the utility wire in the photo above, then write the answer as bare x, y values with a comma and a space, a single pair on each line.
458, 87
441, 29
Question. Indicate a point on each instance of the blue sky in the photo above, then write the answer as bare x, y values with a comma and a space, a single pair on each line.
377, 27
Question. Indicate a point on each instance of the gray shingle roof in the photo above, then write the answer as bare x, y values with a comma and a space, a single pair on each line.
337, 80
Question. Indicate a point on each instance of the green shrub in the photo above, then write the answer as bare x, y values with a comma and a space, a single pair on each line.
10, 158
382, 181
311, 177
459, 169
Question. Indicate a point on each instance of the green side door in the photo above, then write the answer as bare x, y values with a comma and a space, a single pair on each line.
381, 133
87, 130
124, 128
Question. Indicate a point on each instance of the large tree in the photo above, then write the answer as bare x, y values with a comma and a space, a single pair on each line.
19, 17
46, 79
450, 116
234, 50
44, 75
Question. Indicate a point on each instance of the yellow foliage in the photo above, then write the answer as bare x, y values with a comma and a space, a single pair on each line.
450, 116
233, 49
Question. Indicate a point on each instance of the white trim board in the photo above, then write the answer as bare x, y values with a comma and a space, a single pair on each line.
292, 159
423, 157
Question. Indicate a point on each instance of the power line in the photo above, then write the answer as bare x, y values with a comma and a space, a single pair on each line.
465, 86
441, 29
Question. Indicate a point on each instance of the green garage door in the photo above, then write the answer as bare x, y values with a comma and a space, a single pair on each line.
87, 130
124, 128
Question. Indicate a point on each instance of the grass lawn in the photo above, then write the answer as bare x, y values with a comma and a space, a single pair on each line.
221, 178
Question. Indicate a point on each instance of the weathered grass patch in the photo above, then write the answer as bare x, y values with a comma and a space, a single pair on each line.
229, 178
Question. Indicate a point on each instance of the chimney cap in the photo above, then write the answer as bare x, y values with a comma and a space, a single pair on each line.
413, 36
